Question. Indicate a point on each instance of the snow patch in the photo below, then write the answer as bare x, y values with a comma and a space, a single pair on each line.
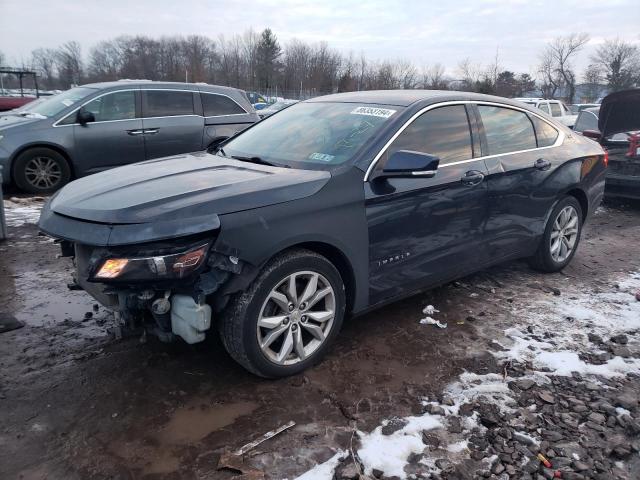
325, 470
19, 212
389, 453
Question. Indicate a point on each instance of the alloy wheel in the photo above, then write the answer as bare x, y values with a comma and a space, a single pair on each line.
296, 317
564, 234
43, 172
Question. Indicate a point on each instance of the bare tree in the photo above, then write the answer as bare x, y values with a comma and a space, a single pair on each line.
69, 63
550, 82
470, 72
592, 77
43, 61
558, 55
433, 77
619, 62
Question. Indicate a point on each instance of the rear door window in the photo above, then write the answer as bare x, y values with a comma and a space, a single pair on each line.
216, 105
443, 132
506, 130
167, 103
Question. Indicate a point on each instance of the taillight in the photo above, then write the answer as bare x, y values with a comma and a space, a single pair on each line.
634, 145
605, 158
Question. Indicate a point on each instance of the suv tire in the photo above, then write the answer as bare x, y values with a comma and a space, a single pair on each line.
276, 330
41, 170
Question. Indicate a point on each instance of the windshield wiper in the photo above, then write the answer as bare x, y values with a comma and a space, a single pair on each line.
257, 160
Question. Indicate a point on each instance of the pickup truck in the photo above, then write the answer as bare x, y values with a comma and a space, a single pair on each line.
555, 108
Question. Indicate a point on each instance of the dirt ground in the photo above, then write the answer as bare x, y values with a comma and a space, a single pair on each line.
77, 404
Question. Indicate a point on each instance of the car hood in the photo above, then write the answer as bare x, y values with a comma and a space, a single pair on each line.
182, 187
619, 113
9, 120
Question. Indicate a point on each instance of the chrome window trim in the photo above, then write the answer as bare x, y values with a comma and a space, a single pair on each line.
559, 141
143, 89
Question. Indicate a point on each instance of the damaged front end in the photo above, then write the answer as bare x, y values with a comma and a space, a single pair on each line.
164, 288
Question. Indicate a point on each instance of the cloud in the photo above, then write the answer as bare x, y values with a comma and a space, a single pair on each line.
423, 32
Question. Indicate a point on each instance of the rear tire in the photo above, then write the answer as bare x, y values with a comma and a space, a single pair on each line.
274, 330
561, 237
41, 171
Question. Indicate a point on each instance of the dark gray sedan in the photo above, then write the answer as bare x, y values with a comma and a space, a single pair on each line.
99, 126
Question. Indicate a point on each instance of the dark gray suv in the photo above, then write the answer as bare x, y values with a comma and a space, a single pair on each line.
98, 126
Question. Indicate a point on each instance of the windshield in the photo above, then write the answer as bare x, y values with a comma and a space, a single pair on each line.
53, 105
312, 135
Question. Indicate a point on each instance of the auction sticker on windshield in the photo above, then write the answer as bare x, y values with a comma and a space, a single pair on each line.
322, 157
373, 111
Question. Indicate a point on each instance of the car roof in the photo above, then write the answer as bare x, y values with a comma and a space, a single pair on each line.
404, 98
155, 84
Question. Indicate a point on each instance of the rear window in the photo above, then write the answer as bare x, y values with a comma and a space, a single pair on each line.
556, 111
506, 130
544, 107
586, 121
546, 135
215, 105
167, 103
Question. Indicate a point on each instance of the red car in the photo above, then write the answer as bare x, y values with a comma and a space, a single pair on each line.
9, 103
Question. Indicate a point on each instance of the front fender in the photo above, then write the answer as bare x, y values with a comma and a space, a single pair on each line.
333, 216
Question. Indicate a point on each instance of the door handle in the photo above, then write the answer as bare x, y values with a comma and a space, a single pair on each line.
472, 177
135, 132
542, 164
151, 131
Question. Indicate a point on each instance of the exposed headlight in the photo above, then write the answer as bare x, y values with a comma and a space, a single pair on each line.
161, 267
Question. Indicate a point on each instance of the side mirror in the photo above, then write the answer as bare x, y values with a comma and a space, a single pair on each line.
593, 134
410, 164
85, 116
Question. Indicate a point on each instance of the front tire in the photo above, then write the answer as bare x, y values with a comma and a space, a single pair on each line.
41, 171
288, 317
561, 237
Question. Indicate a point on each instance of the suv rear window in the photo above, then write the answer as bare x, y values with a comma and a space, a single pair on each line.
215, 105
506, 130
167, 103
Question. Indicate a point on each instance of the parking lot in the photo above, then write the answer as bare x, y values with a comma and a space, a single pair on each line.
527, 362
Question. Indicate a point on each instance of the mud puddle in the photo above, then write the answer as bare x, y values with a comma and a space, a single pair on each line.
39, 307
198, 419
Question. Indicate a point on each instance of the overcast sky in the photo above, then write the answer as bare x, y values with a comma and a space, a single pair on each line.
424, 32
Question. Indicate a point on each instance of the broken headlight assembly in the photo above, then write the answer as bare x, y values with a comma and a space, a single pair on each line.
163, 266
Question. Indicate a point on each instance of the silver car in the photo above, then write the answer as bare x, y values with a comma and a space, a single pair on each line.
98, 126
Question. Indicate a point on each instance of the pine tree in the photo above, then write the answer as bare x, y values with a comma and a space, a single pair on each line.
269, 52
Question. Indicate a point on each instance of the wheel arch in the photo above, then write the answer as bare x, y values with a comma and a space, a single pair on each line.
331, 252
51, 146
340, 261
583, 200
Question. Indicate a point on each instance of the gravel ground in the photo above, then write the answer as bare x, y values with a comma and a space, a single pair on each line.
527, 364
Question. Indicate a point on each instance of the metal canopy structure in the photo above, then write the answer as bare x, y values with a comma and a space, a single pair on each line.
21, 74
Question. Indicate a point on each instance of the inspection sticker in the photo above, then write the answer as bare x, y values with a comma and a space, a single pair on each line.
374, 112
322, 157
